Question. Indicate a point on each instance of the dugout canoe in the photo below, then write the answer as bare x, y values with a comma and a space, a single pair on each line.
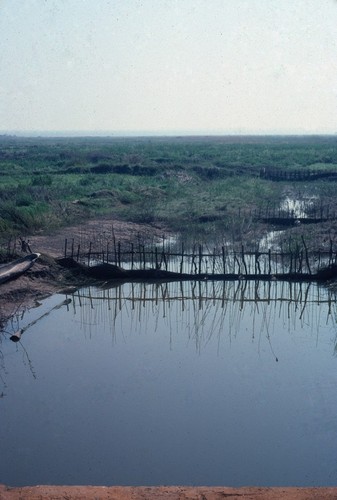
16, 268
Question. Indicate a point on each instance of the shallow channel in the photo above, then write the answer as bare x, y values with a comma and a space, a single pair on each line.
193, 383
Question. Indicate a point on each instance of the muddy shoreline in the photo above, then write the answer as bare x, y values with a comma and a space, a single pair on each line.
46, 277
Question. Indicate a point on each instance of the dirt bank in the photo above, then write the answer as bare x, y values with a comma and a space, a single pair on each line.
96, 230
25, 292
46, 278
164, 492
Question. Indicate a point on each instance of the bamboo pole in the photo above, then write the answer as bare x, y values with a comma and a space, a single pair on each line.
223, 259
89, 254
214, 257
156, 258
200, 258
182, 258
243, 259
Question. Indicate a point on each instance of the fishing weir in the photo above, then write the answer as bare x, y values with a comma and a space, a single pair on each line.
130, 262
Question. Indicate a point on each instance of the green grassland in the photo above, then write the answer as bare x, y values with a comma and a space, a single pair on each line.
193, 185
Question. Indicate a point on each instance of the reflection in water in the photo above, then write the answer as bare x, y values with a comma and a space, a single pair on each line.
16, 336
14, 330
173, 383
296, 207
207, 309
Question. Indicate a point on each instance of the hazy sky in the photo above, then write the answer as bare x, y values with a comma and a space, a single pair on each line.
168, 66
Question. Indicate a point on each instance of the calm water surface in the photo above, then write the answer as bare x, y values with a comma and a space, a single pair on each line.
194, 384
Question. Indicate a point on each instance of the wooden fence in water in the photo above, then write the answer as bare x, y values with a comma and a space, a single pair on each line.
310, 213
199, 259
276, 174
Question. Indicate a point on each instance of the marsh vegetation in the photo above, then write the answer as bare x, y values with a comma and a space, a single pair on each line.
201, 187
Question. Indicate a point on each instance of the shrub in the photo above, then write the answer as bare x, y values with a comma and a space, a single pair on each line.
42, 180
24, 200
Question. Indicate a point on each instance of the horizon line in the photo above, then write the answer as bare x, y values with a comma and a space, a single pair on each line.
168, 133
